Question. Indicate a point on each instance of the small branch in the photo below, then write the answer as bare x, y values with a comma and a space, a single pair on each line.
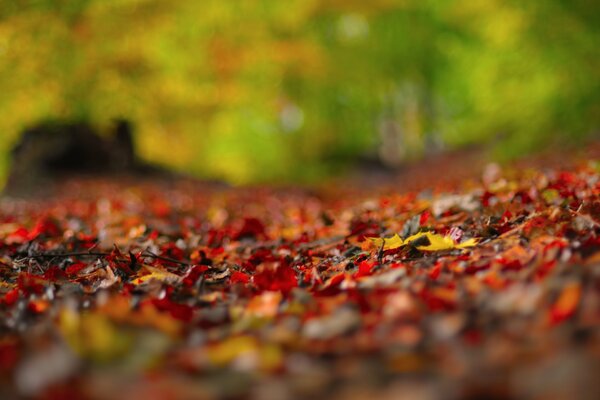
145, 253
168, 259
64, 255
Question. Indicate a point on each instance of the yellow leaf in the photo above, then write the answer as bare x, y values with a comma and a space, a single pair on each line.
93, 335
225, 352
158, 274
245, 350
118, 309
388, 243
434, 241
424, 241
467, 243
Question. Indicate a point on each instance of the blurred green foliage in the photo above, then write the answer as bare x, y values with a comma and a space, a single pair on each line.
255, 90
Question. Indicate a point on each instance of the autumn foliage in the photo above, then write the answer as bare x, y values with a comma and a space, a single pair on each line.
110, 290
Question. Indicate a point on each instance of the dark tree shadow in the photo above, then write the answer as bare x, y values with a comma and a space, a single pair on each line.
51, 151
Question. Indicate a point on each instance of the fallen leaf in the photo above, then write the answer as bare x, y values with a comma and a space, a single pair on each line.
567, 303
424, 241
158, 274
390, 243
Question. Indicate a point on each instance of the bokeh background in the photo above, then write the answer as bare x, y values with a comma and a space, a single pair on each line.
270, 90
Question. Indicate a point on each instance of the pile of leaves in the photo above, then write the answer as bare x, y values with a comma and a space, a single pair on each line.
112, 290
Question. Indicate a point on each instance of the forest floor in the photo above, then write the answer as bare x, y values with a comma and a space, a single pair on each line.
451, 279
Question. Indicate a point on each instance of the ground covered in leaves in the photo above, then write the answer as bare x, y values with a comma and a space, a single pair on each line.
155, 291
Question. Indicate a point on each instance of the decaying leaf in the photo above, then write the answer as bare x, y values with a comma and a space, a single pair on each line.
156, 273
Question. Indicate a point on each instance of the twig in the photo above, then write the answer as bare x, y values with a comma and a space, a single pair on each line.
145, 253
64, 255
168, 259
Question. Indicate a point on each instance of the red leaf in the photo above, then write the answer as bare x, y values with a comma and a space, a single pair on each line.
44, 226
182, 312
435, 271
74, 268
195, 273
53, 274
239, 277
364, 269
275, 276
424, 217
11, 297
566, 304
29, 283
252, 228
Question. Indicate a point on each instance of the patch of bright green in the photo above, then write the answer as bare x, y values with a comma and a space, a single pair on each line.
262, 91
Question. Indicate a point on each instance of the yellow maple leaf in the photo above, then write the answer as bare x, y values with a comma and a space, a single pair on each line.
428, 241
424, 241
388, 243
467, 243
437, 242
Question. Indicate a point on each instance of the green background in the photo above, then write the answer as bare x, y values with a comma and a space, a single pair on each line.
259, 90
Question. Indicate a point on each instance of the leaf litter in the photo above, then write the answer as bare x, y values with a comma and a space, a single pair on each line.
195, 291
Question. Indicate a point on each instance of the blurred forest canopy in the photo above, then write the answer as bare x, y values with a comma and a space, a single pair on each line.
267, 90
